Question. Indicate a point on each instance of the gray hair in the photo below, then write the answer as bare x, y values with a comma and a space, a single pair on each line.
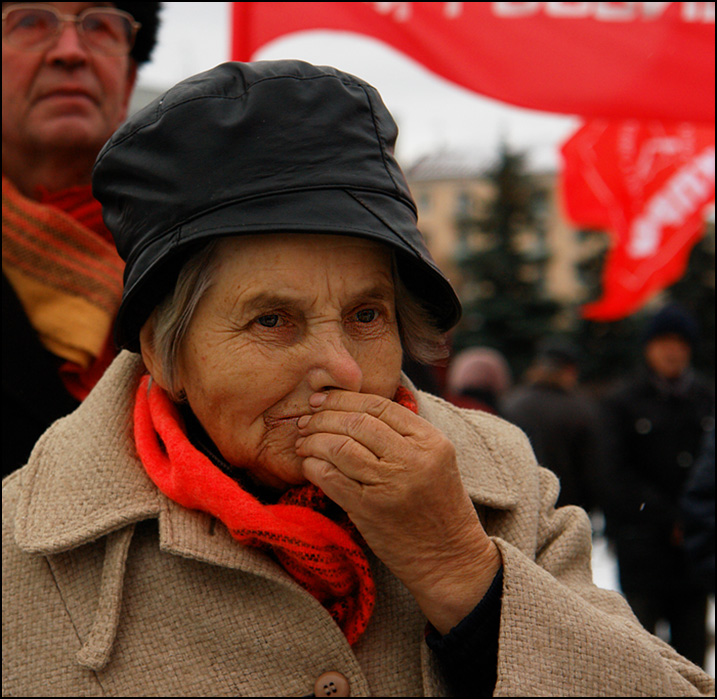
420, 338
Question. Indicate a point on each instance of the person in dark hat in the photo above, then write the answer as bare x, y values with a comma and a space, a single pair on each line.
68, 72
561, 422
655, 422
254, 500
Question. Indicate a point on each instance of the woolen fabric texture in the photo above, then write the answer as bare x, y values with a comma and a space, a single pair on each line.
257, 148
111, 588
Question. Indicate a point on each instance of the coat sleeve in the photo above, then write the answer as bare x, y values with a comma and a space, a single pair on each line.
559, 633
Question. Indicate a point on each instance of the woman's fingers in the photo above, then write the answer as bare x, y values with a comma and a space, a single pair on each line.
343, 452
392, 414
389, 431
337, 486
397, 478
398, 457
376, 437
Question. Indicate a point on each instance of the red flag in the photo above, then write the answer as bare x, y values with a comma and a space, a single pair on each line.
648, 183
615, 60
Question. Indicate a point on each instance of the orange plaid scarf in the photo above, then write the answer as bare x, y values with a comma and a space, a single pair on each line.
324, 556
67, 274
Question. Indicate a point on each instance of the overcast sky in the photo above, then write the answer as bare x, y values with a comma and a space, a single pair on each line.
431, 113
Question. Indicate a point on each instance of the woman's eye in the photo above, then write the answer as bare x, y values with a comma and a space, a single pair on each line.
367, 315
268, 321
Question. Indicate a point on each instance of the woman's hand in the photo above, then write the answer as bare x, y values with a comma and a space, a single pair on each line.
396, 477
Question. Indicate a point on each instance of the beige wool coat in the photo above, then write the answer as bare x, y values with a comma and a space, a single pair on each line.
109, 588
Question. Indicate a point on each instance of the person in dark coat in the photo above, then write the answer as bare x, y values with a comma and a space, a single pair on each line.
655, 424
561, 423
698, 513
68, 73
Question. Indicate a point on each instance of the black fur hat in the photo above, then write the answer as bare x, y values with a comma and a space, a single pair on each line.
147, 14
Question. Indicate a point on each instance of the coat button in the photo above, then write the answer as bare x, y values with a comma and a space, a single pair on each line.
332, 684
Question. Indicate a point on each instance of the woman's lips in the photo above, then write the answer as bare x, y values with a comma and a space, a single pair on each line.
277, 421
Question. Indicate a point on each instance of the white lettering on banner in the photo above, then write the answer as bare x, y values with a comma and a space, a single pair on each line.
601, 11
453, 9
403, 11
607, 11
653, 153
681, 197
698, 12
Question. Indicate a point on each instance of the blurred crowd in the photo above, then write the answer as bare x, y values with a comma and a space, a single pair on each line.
640, 456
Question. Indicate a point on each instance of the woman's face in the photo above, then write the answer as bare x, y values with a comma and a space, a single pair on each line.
287, 316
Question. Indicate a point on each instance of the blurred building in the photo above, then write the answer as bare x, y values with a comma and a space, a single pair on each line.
142, 96
452, 190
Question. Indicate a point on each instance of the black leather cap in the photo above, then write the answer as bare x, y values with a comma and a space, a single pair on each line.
266, 147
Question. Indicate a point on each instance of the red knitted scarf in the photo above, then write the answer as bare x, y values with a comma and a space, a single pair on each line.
323, 556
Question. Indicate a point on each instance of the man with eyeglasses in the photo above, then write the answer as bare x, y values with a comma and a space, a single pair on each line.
68, 70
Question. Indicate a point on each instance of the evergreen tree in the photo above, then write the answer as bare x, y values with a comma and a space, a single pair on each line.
609, 349
501, 256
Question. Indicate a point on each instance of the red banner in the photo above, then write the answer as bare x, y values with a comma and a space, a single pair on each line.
647, 183
615, 60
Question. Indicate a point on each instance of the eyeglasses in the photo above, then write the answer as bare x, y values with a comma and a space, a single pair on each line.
102, 30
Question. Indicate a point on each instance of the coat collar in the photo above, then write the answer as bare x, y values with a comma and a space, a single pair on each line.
84, 479
487, 450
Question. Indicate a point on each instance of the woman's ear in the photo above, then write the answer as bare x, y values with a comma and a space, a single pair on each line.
150, 356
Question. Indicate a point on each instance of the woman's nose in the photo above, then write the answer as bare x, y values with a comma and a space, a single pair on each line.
333, 365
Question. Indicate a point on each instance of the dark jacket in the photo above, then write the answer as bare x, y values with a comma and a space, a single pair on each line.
698, 514
654, 431
563, 428
33, 395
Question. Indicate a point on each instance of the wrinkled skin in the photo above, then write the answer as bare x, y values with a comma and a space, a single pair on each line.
396, 476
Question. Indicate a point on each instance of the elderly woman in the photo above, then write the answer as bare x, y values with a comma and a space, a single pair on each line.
254, 500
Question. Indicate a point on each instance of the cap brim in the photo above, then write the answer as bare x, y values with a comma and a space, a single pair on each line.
362, 214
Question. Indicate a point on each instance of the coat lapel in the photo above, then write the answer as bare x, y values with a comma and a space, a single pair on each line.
83, 479
488, 472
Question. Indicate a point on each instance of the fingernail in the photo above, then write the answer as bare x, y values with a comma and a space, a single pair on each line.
303, 421
317, 399
299, 441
